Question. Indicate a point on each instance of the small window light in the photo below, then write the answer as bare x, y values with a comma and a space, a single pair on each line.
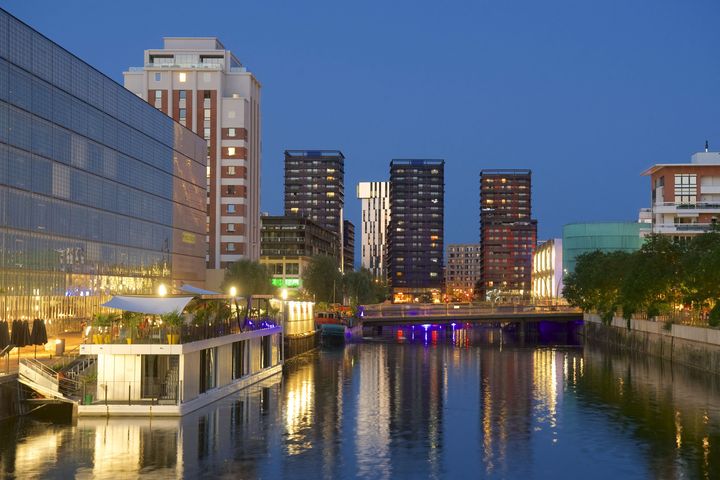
182, 77
231, 150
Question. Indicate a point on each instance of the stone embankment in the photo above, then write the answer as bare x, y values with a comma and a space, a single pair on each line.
695, 347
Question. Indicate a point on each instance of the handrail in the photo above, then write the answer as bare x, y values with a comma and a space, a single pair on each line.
6, 350
39, 367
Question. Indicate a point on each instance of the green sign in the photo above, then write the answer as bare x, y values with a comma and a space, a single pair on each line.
288, 282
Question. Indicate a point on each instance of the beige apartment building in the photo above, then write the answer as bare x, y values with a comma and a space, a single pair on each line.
203, 86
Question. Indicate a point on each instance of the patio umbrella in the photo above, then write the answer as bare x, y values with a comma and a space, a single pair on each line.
15, 332
39, 334
4, 335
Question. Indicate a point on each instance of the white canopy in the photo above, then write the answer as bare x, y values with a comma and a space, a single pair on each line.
150, 305
197, 291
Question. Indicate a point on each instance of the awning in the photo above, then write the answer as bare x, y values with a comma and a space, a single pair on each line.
150, 305
197, 291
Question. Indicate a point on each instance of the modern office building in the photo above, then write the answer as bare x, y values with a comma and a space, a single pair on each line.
685, 196
462, 270
547, 271
579, 238
315, 189
204, 87
375, 197
416, 230
348, 246
507, 233
100, 193
288, 243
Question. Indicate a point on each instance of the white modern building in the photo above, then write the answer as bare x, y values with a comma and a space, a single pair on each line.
547, 271
685, 196
203, 86
375, 198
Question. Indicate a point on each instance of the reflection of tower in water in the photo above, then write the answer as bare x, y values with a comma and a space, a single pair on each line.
505, 400
416, 380
372, 427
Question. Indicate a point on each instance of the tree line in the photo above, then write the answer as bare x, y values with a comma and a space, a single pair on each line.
657, 279
322, 282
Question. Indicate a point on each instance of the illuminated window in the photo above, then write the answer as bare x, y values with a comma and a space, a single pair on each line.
330, 194
231, 150
231, 132
182, 77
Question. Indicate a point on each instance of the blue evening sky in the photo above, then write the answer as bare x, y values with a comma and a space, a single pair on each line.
585, 93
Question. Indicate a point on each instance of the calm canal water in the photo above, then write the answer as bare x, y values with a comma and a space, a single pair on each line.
466, 403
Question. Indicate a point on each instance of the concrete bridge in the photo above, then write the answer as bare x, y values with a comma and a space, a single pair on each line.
407, 314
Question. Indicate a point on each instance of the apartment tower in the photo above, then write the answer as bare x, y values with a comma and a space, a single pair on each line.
314, 189
507, 234
204, 87
415, 234
375, 197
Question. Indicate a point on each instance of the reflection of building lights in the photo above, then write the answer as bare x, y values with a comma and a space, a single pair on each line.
162, 290
233, 291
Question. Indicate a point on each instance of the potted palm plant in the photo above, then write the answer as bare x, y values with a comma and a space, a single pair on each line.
131, 321
173, 320
101, 321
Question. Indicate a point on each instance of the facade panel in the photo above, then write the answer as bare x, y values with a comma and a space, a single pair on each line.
99, 192
375, 197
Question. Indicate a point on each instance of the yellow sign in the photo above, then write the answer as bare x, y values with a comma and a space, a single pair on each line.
188, 237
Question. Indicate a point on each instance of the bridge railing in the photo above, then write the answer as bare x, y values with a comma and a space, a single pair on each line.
450, 310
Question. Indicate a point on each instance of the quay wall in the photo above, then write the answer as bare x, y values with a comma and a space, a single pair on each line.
695, 347
9, 407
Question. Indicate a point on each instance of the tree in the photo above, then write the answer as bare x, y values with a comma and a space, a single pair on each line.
250, 278
322, 279
596, 282
652, 273
362, 289
701, 265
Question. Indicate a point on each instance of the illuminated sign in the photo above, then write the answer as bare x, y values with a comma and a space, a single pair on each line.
188, 237
288, 282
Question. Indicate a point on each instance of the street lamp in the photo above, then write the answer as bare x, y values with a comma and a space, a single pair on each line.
233, 292
162, 290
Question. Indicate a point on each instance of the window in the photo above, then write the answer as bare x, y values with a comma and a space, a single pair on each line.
231, 114
230, 247
157, 76
230, 190
292, 268
238, 359
182, 94
231, 208
231, 132
231, 170
208, 370
230, 227
685, 188
182, 77
206, 133
231, 151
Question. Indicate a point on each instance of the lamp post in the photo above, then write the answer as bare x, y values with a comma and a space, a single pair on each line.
233, 295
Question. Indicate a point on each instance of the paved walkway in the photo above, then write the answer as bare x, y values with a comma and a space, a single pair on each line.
9, 364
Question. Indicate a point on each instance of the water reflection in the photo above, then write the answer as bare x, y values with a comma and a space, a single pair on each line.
460, 403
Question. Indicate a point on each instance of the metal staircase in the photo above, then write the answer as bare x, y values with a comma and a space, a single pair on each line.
46, 382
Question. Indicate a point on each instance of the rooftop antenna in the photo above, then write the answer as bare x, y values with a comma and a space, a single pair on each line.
706, 145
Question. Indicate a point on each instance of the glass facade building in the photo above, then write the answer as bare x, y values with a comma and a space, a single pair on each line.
100, 193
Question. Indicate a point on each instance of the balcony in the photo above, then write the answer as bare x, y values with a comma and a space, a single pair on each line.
682, 228
686, 208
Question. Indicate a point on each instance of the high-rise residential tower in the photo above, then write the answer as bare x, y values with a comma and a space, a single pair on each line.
416, 229
314, 188
507, 233
203, 86
375, 198
100, 194
348, 246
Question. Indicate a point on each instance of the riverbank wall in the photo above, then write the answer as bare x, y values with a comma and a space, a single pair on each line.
9, 407
695, 347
